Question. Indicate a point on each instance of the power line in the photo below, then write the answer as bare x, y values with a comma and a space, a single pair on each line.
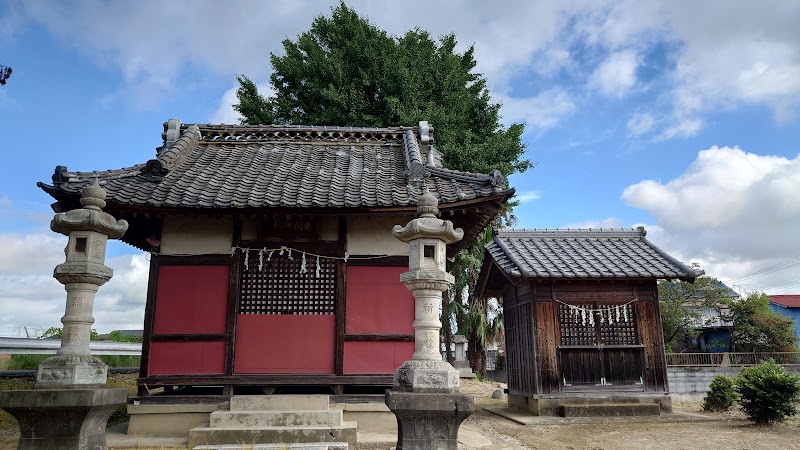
791, 262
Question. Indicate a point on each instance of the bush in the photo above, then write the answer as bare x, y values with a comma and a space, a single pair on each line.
722, 394
767, 393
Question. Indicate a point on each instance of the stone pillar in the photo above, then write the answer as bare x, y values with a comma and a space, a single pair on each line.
69, 405
425, 394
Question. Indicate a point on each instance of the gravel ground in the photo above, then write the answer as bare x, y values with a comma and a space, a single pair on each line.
728, 431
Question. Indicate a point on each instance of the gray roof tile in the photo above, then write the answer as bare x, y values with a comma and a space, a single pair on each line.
583, 254
223, 166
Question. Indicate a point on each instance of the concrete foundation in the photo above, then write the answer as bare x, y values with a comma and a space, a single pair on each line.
168, 419
62, 419
551, 405
428, 421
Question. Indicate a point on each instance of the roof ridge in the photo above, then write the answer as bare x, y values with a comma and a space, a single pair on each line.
573, 233
167, 159
250, 133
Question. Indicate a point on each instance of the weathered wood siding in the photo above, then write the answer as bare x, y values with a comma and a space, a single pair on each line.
547, 337
520, 348
538, 363
652, 336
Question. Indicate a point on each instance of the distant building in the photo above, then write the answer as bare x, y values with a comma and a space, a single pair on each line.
789, 306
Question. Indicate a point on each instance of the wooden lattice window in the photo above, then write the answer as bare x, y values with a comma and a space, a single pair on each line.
598, 324
280, 287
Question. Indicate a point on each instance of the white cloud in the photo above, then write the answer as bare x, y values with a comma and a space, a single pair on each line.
543, 111
225, 112
732, 211
32, 297
681, 128
609, 222
640, 123
725, 53
527, 196
616, 74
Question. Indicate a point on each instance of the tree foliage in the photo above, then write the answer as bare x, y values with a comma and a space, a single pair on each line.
345, 71
58, 332
756, 328
681, 303
5, 74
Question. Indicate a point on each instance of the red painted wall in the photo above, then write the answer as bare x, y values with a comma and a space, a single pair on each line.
186, 358
284, 343
377, 303
375, 357
191, 300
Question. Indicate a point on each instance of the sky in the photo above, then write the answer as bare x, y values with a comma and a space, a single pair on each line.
680, 116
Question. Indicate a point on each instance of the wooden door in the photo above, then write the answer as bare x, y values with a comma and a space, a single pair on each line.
599, 346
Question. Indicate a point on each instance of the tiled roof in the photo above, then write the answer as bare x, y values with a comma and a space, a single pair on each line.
789, 301
235, 167
583, 254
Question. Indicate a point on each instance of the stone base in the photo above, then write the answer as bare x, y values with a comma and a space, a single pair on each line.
67, 372
63, 419
428, 421
426, 376
551, 405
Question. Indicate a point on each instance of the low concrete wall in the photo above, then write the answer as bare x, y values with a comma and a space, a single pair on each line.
691, 383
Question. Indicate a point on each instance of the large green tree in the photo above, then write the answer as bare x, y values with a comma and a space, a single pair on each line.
756, 328
681, 305
346, 71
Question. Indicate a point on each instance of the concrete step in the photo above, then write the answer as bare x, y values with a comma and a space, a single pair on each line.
256, 419
279, 402
304, 446
610, 410
205, 435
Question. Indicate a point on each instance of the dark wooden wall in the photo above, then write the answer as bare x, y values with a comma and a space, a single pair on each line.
536, 359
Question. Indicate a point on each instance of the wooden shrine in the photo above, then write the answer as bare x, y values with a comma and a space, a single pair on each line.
581, 314
272, 262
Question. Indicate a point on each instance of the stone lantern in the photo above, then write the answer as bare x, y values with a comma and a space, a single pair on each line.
70, 405
82, 274
425, 395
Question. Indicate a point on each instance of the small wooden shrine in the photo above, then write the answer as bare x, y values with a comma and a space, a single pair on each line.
272, 258
581, 314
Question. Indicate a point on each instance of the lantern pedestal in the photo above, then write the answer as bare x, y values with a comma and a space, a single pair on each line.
68, 419
428, 421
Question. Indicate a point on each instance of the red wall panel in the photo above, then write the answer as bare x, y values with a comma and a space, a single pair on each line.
186, 358
284, 343
375, 357
191, 299
377, 302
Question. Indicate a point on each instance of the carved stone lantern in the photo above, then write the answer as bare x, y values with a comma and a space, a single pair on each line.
69, 405
82, 275
425, 395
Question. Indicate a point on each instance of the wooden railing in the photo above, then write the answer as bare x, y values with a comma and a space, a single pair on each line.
730, 359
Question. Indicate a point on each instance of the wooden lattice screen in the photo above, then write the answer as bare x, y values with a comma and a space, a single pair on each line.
280, 288
576, 330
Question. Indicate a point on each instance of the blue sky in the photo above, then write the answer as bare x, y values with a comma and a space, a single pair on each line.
679, 116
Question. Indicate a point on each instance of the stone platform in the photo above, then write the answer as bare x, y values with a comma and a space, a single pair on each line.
62, 419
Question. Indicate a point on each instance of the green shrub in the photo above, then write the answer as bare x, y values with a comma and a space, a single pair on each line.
721, 395
767, 393
25, 362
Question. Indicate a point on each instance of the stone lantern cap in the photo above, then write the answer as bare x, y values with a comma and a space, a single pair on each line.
90, 217
427, 225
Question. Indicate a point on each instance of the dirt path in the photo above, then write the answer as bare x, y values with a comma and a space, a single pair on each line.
695, 430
